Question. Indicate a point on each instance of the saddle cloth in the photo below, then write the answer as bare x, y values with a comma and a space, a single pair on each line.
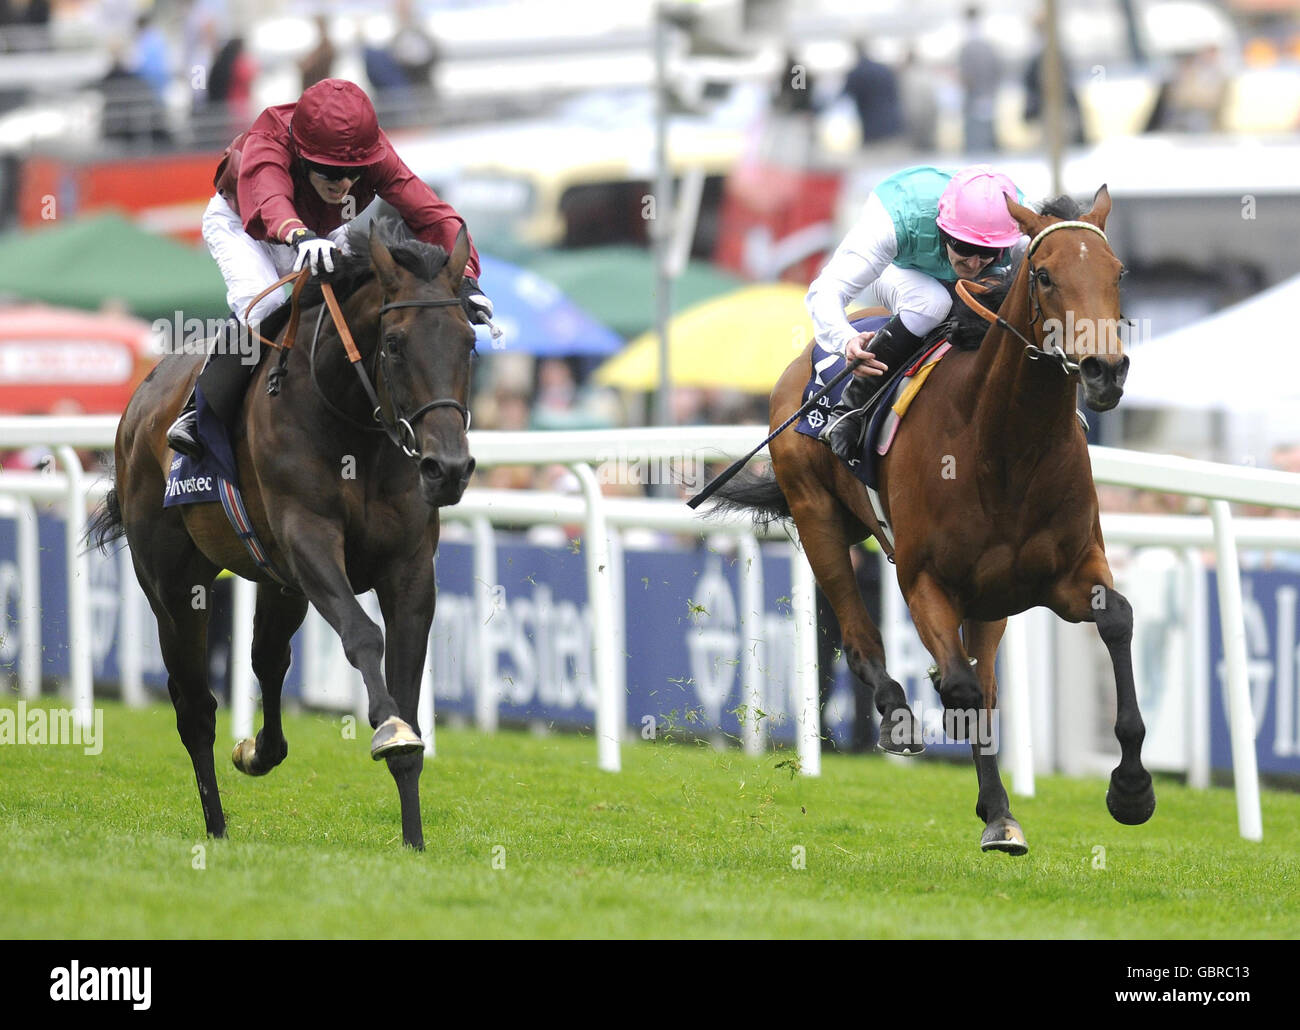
215, 477
197, 482
900, 389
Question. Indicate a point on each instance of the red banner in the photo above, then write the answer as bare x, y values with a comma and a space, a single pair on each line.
163, 194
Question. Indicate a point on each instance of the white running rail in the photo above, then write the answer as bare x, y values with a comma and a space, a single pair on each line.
584, 450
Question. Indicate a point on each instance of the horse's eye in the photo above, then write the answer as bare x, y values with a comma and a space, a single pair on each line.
1043, 278
394, 346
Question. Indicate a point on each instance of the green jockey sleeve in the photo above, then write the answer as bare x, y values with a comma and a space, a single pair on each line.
912, 199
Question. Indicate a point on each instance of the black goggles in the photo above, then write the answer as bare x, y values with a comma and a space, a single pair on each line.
334, 173
963, 249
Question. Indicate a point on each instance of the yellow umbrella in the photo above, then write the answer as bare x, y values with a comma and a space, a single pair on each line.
743, 340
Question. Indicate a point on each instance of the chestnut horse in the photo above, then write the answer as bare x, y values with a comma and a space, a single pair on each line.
343, 491
988, 489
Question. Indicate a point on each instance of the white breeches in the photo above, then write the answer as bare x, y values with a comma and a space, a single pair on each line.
247, 265
922, 302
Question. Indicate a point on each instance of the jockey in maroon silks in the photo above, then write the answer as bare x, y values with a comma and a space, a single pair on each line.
286, 190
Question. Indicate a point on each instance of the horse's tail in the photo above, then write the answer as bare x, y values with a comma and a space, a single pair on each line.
106, 524
754, 493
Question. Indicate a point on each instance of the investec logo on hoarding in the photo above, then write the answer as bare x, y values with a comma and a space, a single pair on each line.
541, 649
1271, 658
541, 652
714, 644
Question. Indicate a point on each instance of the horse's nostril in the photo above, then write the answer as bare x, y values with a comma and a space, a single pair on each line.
431, 468
469, 469
1092, 369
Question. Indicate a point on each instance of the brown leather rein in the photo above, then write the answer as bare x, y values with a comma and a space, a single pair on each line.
400, 428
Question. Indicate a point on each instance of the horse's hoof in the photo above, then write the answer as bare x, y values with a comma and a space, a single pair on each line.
244, 755
394, 737
1004, 835
900, 733
1130, 807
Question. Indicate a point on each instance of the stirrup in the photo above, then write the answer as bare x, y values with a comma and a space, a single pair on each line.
834, 420
844, 441
182, 435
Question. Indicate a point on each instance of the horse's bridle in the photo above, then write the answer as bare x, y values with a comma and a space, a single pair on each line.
405, 424
1034, 350
401, 428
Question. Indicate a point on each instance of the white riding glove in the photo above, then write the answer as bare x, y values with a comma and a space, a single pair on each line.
318, 254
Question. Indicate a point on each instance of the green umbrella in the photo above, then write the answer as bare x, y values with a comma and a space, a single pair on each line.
616, 285
84, 263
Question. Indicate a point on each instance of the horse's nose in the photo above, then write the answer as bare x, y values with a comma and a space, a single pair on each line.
1098, 374
447, 470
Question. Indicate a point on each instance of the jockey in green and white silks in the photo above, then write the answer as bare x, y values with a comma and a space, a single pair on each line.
919, 229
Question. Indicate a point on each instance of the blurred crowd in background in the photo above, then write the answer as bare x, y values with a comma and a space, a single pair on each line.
789, 111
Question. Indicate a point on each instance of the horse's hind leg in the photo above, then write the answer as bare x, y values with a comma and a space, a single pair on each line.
1001, 831
406, 599
275, 620
827, 531
177, 579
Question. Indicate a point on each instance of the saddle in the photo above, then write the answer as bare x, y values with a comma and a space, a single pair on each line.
907, 378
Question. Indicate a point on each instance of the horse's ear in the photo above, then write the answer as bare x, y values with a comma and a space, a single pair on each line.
1030, 221
458, 259
384, 265
1100, 208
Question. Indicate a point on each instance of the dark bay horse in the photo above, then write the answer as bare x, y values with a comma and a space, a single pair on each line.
988, 488
341, 504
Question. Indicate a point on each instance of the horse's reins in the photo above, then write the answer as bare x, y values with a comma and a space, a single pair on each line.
966, 287
401, 428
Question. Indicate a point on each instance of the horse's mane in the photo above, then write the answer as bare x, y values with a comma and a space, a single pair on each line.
425, 260
970, 327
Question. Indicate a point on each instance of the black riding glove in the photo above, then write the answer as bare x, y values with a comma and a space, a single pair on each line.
478, 308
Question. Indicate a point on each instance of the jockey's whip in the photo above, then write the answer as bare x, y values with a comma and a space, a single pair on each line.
712, 486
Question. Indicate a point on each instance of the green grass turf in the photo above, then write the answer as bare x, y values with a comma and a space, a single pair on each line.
685, 842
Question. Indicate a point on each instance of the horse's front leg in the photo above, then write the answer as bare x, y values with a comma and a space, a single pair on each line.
314, 553
1001, 830
1090, 596
406, 598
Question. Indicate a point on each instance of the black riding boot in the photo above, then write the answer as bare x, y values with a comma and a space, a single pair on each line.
893, 344
224, 378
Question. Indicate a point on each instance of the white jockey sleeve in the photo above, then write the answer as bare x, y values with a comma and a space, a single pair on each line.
865, 252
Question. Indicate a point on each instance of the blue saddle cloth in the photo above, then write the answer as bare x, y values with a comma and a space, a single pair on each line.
826, 365
198, 482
